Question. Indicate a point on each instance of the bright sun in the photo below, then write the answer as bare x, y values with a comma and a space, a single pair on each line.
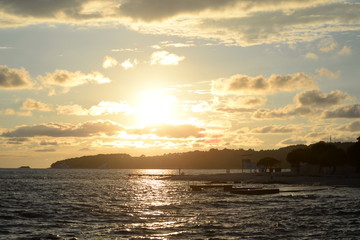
155, 108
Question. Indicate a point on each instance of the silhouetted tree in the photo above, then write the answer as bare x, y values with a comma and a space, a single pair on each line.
296, 156
326, 155
354, 154
268, 162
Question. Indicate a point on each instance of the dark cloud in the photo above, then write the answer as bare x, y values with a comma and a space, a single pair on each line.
44, 9
243, 83
275, 129
290, 141
150, 10
45, 150
318, 98
351, 127
12, 78
86, 129
349, 111
46, 143
65, 78
17, 140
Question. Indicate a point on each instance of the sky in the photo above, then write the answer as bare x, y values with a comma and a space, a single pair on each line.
84, 77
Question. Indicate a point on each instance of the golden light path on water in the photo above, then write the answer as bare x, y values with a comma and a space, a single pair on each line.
155, 200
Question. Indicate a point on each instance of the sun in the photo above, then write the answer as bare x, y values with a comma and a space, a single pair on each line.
155, 108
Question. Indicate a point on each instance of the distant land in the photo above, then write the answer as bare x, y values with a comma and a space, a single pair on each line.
212, 159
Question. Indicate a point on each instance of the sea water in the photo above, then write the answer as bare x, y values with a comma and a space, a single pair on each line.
141, 204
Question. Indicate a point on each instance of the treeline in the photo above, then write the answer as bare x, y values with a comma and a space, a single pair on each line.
324, 154
212, 159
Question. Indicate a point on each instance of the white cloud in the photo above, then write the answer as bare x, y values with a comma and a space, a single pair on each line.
109, 62
129, 64
165, 58
12, 78
103, 108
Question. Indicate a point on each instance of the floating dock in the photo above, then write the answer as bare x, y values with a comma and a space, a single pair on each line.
226, 187
231, 189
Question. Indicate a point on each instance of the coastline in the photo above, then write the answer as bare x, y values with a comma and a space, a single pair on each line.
278, 178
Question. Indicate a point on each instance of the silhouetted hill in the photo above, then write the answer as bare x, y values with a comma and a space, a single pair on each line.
212, 159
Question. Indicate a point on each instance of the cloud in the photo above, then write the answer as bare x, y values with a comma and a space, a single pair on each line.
72, 110
12, 78
292, 141
311, 55
103, 108
64, 78
12, 112
327, 73
170, 131
124, 50
31, 104
327, 45
109, 62
129, 64
350, 127
86, 129
179, 131
275, 129
17, 140
346, 50
165, 58
348, 111
47, 143
239, 22
155, 10
240, 84
169, 44
316, 98
203, 106
289, 111
45, 150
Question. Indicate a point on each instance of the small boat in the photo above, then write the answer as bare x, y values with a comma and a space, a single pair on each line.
254, 191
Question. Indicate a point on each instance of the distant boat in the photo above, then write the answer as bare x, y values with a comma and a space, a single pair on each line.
24, 167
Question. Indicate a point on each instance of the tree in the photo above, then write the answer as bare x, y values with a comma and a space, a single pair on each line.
268, 162
354, 154
296, 156
326, 155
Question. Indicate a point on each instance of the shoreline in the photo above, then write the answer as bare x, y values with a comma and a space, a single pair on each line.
277, 178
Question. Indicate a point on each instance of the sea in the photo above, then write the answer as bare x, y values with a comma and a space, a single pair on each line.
144, 204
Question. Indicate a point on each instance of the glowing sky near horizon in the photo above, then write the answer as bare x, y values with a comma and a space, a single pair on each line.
155, 76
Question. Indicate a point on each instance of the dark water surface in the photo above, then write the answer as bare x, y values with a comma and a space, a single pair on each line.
110, 204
